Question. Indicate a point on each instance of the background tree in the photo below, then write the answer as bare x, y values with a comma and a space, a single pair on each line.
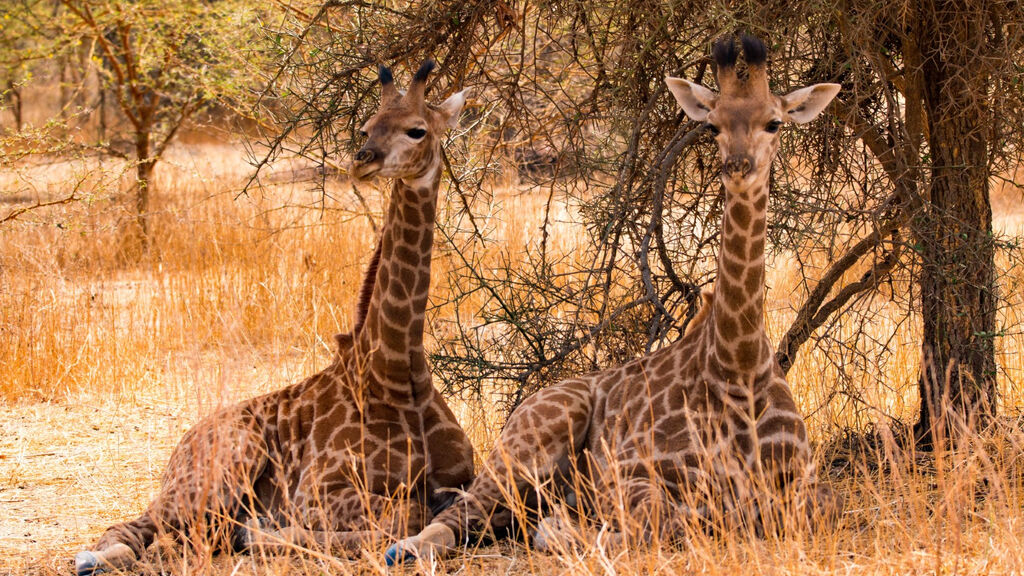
25, 42
947, 74
163, 62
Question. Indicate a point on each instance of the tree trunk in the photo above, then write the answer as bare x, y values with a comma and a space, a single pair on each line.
65, 94
143, 183
14, 97
954, 233
101, 130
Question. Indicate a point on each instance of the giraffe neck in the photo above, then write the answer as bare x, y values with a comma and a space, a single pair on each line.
737, 342
391, 338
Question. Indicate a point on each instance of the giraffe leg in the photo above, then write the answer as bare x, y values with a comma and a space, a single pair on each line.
645, 511
208, 476
812, 503
347, 521
449, 449
540, 440
557, 533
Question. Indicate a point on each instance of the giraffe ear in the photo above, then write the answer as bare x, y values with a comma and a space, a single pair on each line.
451, 108
695, 99
803, 105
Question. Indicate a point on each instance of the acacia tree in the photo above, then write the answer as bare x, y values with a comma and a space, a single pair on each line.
947, 75
13, 64
958, 42
24, 42
575, 98
163, 62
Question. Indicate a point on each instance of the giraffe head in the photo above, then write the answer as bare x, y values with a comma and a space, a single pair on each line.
403, 139
745, 117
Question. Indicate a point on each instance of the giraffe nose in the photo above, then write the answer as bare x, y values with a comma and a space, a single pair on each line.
737, 166
365, 155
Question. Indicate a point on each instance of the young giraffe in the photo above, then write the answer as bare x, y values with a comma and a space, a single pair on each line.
361, 451
710, 416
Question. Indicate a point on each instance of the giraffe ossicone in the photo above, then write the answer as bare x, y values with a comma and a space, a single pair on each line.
704, 430
364, 451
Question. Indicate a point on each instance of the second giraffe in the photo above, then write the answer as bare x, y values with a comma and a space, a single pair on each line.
702, 431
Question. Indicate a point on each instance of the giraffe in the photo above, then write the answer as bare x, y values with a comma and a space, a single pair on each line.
367, 449
708, 419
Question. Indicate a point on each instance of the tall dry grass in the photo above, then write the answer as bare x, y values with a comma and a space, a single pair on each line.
106, 359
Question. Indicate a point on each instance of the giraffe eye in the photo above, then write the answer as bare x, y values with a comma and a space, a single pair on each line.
415, 133
773, 126
712, 129
363, 133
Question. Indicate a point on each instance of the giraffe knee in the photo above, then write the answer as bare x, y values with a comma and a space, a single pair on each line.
824, 506
136, 535
555, 534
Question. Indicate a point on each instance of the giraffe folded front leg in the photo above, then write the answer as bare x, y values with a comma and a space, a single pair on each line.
292, 539
556, 534
539, 441
345, 522
651, 514
436, 540
116, 557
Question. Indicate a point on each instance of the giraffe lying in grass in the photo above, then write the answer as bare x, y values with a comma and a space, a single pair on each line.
702, 429
361, 451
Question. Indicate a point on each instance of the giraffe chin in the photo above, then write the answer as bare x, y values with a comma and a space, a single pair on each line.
365, 175
742, 185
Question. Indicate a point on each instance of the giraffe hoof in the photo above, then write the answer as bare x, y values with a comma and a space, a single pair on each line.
116, 557
398, 555
86, 564
247, 534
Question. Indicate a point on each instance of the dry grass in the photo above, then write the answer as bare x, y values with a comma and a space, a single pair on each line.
104, 362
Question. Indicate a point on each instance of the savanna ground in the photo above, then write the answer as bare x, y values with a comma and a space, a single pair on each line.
106, 361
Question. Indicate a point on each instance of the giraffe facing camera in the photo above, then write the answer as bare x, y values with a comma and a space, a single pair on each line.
703, 432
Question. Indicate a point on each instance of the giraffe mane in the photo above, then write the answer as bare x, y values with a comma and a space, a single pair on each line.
346, 339
366, 291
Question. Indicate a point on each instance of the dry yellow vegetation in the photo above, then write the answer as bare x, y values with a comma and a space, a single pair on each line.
104, 363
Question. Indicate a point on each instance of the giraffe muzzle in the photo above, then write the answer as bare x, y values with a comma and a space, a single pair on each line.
365, 155
737, 166
365, 164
